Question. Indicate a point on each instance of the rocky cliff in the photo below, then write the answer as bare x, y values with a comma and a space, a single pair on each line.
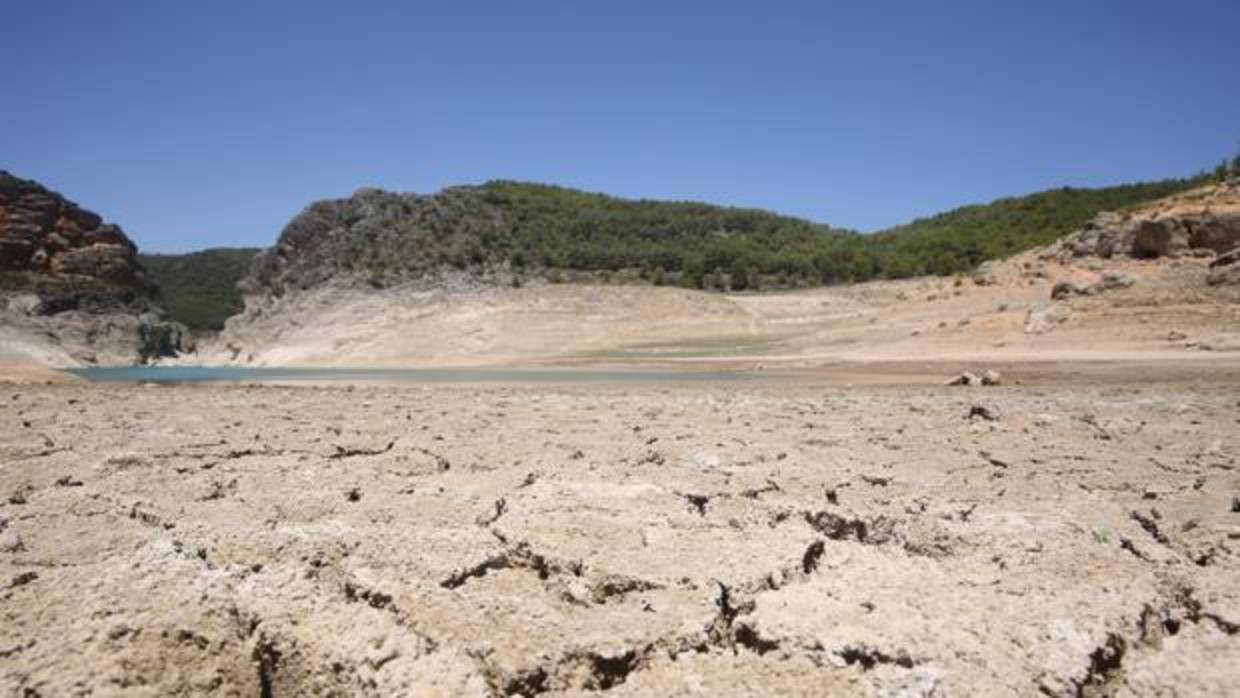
71, 288
43, 233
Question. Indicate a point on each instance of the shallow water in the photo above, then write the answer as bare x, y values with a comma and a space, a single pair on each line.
200, 374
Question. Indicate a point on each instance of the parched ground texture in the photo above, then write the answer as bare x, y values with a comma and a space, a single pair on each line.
735, 539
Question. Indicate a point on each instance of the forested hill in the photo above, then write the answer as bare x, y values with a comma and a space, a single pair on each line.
518, 231
199, 289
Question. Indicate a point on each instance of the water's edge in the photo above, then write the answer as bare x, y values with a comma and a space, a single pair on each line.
207, 374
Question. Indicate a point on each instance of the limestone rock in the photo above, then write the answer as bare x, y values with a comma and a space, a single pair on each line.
1225, 269
986, 274
966, 378
1044, 317
1067, 289
1114, 280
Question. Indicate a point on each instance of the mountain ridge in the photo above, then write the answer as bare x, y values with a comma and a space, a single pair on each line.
504, 231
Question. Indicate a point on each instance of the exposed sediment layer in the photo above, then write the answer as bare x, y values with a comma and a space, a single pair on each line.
718, 540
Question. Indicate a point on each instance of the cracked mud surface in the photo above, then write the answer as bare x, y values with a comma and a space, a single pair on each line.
642, 541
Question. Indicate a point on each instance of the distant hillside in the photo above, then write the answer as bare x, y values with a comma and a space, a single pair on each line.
505, 232
513, 230
199, 289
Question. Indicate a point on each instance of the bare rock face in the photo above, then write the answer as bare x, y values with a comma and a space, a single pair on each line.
1219, 232
72, 289
378, 238
1107, 235
44, 233
1201, 221
1158, 238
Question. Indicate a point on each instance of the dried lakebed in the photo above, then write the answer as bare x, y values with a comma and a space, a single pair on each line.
700, 540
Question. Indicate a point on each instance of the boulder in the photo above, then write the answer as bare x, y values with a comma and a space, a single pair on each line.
966, 378
1044, 317
1113, 280
1167, 237
1110, 281
985, 412
25, 304
1067, 289
1225, 270
1107, 234
159, 339
1226, 259
986, 274
1219, 232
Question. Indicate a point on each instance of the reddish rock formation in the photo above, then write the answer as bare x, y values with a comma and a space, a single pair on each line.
44, 233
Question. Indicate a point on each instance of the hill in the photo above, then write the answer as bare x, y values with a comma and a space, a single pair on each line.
506, 232
509, 231
199, 289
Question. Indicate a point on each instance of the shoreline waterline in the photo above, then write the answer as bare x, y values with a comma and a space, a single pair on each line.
217, 374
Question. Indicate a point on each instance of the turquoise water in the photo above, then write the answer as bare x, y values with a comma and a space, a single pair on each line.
202, 374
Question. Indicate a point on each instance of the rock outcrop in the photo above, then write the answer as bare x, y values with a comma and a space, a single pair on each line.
1202, 221
44, 233
378, 238
71, 288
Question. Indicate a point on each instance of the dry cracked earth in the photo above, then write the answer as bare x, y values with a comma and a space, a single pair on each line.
637, 540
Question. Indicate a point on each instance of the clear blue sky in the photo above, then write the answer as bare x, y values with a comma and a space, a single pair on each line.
196, 124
